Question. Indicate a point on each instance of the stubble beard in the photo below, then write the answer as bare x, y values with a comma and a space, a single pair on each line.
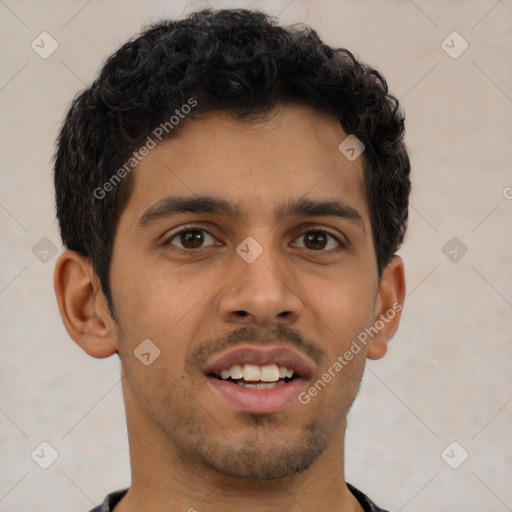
259, 457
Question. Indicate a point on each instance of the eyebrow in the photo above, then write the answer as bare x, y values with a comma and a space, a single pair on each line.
320, 208
172, 206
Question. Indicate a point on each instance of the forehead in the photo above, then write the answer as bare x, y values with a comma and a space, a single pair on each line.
258, 165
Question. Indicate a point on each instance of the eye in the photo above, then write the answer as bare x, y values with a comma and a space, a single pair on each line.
190, 238
318, 240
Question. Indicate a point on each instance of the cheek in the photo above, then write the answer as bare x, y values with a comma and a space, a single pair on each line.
148, 302
166, 309
157, 392
346, 309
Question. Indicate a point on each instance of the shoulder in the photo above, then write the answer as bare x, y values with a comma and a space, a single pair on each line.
364, 501
110, 501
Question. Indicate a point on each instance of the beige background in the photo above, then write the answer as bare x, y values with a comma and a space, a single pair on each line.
447, 374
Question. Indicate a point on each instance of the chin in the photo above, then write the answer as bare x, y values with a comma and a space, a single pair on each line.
266, 458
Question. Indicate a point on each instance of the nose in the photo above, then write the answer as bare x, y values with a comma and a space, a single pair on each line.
263, 293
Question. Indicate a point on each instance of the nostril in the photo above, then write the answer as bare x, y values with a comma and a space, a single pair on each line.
241, 313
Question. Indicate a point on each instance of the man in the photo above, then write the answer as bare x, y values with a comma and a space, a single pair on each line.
232, 194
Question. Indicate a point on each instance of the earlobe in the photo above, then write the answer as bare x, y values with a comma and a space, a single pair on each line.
388, 307
82, 306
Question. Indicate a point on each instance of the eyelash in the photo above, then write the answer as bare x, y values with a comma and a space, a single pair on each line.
186, 229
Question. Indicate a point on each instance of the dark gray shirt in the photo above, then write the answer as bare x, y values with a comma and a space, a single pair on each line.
114, 498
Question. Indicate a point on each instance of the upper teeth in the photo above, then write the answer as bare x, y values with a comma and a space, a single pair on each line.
253, 372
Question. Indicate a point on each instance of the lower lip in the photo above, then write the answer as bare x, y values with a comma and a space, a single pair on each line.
258, 401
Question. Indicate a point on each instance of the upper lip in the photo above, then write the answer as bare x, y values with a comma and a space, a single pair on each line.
280, 356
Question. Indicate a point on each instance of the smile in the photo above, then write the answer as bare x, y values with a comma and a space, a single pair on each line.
259, 381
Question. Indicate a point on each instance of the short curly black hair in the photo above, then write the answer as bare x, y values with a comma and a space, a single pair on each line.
234, 60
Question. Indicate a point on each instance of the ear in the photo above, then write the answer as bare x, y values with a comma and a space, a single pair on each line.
83, 306
388, 308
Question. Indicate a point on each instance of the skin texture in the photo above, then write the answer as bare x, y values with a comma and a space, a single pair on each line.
188, 446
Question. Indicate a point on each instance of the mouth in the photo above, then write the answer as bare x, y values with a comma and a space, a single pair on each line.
259, 381
253, 376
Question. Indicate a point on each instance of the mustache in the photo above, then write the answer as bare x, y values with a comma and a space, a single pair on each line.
285, 335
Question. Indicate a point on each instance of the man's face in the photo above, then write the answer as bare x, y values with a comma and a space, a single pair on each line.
209, 300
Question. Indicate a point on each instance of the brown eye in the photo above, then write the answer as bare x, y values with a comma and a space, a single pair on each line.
315, 240
190, 238
318, 241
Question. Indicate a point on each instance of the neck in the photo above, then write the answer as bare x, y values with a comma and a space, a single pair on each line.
164, 480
